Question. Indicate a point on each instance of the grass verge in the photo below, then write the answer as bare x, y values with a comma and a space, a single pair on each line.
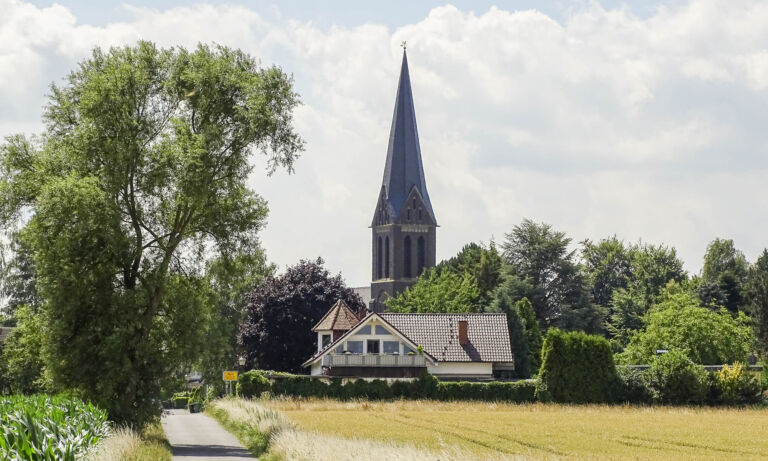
127, 445
252, 424
267, 433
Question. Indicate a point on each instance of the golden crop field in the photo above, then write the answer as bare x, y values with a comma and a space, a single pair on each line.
539, 431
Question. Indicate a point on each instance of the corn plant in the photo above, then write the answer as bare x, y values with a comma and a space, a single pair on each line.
45, 428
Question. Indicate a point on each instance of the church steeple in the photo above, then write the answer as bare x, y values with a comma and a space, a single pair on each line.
404, 224
403, 170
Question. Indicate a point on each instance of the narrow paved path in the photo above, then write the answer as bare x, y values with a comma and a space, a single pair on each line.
196, 437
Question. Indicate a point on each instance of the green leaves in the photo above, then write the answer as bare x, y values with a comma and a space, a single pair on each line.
678, 322
439, 291
138, 182
43, 428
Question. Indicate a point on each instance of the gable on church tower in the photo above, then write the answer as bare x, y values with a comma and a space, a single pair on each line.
404, 224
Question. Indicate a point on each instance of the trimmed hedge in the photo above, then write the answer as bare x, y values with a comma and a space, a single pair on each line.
427, 387
519, 391
576, 368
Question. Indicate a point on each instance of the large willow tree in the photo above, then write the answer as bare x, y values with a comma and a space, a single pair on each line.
137, 181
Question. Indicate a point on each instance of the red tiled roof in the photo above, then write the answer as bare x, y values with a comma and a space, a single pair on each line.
338, 317
438, 335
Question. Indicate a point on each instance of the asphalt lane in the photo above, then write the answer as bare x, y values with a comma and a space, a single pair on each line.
197, 437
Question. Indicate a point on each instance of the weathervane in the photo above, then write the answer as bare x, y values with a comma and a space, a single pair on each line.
403, 44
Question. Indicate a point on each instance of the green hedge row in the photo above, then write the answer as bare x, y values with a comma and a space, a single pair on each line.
674, 379
575, 368
427, 387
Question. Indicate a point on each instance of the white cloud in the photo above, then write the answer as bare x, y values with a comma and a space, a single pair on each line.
603, 123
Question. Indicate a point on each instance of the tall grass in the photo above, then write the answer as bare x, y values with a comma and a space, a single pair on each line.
43, 428
308, 446
252, 424
263, 430
124, 444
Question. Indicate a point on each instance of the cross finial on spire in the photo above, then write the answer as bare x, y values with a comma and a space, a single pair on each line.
404, 44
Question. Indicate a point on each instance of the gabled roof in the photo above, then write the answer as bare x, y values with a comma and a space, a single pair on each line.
353, 330
403, 170
438, 335
338, 317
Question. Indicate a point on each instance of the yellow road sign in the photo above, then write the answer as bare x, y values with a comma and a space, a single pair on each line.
230, 376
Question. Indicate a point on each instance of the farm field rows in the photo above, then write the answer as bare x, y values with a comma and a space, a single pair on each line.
542, 431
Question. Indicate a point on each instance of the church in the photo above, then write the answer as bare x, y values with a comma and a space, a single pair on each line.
403, 236
404, 224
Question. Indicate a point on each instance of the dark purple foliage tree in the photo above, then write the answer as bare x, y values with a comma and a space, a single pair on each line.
276, 333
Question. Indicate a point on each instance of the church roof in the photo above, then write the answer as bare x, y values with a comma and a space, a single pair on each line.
403, 170
338, 317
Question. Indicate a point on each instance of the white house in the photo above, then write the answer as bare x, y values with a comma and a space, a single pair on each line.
390, 345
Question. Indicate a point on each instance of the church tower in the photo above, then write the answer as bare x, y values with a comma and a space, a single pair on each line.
404, 224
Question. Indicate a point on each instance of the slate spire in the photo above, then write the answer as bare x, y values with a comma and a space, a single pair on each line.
403, 170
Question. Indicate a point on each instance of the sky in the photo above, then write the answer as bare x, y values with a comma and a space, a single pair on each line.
642, 120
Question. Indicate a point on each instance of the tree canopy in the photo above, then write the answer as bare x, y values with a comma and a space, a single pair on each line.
679, 322
756, 290
276, 332
439, 291
549, 276
723, 275
139, 178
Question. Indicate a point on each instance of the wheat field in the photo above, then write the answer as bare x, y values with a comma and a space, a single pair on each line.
539, 431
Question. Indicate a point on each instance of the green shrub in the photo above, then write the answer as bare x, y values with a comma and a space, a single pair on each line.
674, 379
575, 368
252, 384
630, 386
736, 385
519, 391
48, 428
426, 387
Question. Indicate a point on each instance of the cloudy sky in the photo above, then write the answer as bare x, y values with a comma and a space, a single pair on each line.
639, 119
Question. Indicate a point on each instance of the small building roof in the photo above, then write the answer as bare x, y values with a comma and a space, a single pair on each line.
362, 322
438, 335
338, 317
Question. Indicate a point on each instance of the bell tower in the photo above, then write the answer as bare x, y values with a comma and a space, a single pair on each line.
404, 225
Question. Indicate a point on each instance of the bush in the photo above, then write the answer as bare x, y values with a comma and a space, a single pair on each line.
520, 391
736, 386
252, 384
426, 387
674, 379
575, 368
630, 386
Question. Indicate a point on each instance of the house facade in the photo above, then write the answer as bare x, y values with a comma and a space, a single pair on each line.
393, 345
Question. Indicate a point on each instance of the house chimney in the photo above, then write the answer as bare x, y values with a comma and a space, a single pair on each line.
463, 337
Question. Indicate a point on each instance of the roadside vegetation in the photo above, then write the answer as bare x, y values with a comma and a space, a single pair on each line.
267, 433
124, 444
